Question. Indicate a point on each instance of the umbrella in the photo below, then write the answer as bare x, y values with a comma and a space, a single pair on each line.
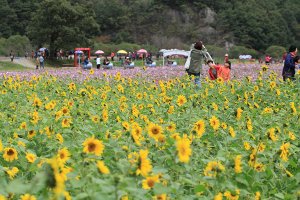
42, 49
142, 51
99, 52
122, 52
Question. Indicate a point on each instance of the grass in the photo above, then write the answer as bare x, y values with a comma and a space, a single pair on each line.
9, 66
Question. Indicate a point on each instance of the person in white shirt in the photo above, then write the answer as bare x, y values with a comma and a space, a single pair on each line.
98, 62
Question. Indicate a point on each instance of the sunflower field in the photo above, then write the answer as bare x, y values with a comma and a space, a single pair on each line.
118, 137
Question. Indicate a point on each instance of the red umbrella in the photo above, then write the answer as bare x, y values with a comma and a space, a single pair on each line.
142, 51
99, 52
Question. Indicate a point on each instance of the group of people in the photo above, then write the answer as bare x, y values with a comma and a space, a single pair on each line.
198, 52
193, 65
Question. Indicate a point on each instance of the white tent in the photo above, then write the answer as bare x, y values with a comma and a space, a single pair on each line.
170, 52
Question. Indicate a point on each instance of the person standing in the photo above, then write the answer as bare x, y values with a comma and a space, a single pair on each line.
288, 71
193, 64
112, 55
226, 59
37, 62
98, 62
12, 56
268, 59
41, 59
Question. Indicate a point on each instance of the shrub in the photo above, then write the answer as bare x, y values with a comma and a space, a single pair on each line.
236, 51
275, 51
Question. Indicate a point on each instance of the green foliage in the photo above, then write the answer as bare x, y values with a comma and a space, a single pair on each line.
164, 24
8, 18
216, 51
16, 43
236, 51
63, 25
275, 51
10, 66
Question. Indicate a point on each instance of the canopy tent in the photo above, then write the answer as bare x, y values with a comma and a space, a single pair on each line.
172, 52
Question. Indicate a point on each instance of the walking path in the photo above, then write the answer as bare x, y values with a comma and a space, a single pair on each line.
21, 61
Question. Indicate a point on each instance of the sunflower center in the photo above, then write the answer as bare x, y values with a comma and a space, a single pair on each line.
150, 183
10, 152
91, 147
62, 155
155, 131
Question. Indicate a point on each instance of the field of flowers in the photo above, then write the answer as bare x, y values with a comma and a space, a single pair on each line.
148, 134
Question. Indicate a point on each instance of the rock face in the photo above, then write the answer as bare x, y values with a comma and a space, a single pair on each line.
181, 28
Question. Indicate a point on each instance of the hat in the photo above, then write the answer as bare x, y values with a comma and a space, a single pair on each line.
226, 54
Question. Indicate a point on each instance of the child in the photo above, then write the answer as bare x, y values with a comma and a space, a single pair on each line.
216, 71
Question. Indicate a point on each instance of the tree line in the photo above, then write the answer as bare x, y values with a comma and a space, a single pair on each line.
255, 24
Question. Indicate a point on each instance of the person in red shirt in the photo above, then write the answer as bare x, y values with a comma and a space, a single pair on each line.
216, 71
213, 70
268, 59
224, 71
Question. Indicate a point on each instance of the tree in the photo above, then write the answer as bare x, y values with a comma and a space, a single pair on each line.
58, 24
8, 18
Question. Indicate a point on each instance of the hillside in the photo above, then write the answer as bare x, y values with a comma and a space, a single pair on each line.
165, 23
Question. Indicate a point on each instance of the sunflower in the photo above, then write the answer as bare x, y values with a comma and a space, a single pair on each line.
102, 167
220, 80
181, 100
239, 113
184, 150
126, 126
231, 132
144, 163
23, 125
1, 146
212, 168
31, 134
259, 167
37, 102
63, 155
27, 197
72, 86
199, 127
214, 122
10, 154
237, 164
219, 196
60, 138
160, 197
65, 123
105, 115
139, 96
272, 84
95, 118
65, 110
92, 72
94, 146
150, 181
171, 127
154, 130
136, 134
12, 172
30, 157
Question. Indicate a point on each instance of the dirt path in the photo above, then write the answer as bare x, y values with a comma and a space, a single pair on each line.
21, 61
